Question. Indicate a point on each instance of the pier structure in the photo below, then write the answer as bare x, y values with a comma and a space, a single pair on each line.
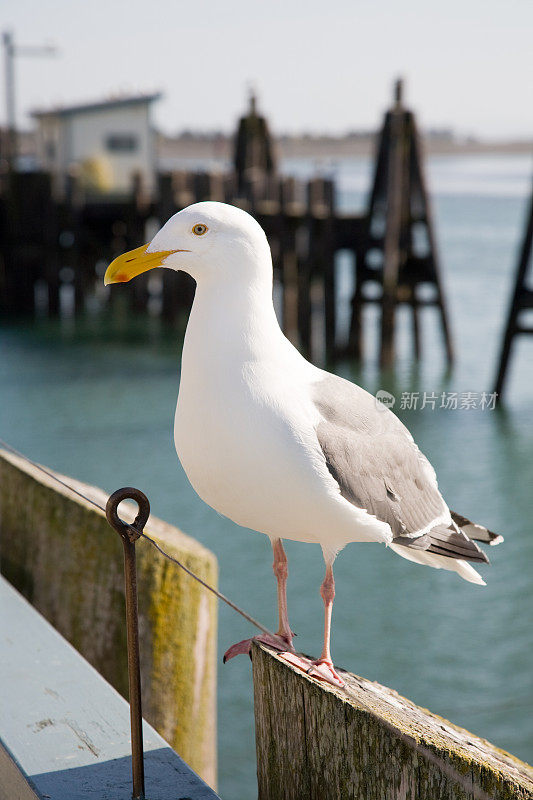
55, 246
521, 304
397, 248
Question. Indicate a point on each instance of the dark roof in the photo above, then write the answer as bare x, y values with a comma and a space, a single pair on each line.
117, 102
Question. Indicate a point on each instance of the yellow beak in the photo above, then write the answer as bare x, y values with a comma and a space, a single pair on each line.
130, 264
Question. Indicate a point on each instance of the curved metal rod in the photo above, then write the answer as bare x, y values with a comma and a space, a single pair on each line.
129, 533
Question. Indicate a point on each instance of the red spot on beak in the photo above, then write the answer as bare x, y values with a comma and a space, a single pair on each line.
121, 277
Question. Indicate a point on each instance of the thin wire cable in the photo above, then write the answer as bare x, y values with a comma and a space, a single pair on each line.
206, 585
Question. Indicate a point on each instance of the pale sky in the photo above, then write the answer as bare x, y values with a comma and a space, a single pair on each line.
317, 66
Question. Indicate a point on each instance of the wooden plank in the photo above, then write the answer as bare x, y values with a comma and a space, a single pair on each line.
61, 553
366, 742
64, 731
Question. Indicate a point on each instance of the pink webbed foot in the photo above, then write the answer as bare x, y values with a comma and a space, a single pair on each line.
325, 671
241, 648
321, 669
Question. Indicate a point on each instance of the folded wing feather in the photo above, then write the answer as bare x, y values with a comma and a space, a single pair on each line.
378, 467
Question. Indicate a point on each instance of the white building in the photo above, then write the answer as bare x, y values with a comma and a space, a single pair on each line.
105, 143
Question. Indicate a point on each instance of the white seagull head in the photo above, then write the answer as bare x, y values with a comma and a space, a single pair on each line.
213, 242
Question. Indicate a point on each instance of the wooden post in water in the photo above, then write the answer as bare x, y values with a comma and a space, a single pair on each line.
328, 258
253, 155
366, 742
305, 255
24, 241
397, 247
522, 300
136, 210
176, 190
289, 262
396, 186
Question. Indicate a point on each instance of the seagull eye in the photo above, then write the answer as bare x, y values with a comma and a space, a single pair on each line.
199, 229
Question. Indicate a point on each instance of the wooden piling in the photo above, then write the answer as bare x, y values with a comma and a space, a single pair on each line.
289, 261
392, 255
522, 301
176, 190
24, 239
422, 213
386, 251
327, 252
254, 155
366, 742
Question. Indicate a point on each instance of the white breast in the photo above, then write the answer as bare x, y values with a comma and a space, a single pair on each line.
241, 451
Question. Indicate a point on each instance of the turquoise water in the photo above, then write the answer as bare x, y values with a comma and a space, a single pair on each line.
95, 399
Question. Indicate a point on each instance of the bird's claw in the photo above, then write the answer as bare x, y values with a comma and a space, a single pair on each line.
240, 648
279, 642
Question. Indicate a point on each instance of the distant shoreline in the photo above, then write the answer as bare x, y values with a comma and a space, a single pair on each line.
219, 147
326, 148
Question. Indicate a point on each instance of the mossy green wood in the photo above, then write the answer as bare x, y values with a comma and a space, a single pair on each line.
367, 743
61, 554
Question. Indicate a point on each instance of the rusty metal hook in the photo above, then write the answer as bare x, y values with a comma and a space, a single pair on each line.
134, 529
129, 533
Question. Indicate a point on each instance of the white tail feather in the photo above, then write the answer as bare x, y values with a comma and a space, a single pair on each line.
463, 568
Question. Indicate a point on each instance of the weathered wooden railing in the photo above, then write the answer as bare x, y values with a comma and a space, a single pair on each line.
64, 731
60, 553
366, 742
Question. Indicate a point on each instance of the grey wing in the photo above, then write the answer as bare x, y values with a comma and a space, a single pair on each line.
378, 467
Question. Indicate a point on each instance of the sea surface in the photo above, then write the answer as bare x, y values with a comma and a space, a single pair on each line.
95, 398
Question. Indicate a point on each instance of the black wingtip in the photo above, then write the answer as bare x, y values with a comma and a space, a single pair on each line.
475, 531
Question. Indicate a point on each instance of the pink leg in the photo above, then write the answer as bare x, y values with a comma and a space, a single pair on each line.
322, 668
281, 571
327, 591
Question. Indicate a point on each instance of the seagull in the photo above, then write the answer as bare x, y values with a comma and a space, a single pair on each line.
277, 444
